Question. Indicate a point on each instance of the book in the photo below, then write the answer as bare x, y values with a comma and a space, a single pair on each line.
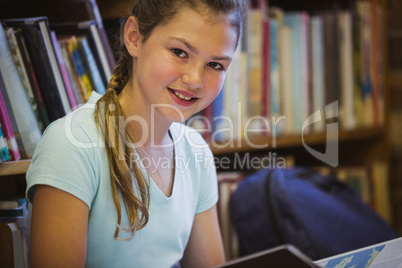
331, 61
317, 69
19, 64
218, 120
227, 184
265, 65
298, 22
11, 246
81, 69
15, 213
347, 115
376, 61
88, 56
4, 156
41, 50
91, 31
254, 64
364, 11
66, 79
44, 118
7, 127
72, 73
281, 256
232, 109
357, 68
102, 35
26, 121
382, 202
286, 81
275, 103
382, 255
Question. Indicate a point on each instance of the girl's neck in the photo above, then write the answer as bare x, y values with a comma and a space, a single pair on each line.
143, 126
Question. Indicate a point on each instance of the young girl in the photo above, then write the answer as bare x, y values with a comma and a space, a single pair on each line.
120, 182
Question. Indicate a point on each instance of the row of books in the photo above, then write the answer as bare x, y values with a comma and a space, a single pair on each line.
46, 72
368, 181
291, 65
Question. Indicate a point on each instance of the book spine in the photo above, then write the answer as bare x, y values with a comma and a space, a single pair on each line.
18, 60
63, 70
4, 156
27, 124
346, 68
80, 68
357, 67
55, 66
71, 72
105, 60
217, 118
7, 129
265, 63
317, 71
94, 71
274, 70
44, 118
254, 68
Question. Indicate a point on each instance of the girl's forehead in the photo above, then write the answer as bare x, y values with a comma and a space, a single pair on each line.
197, 27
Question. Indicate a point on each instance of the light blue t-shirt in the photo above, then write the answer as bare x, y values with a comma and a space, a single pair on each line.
71, 157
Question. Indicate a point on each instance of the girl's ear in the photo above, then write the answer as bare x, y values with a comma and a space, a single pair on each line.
131, 36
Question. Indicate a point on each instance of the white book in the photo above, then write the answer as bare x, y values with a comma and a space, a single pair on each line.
347, 117
317, 70
26, 121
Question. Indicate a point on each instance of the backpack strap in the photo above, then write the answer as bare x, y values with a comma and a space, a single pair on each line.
270, 208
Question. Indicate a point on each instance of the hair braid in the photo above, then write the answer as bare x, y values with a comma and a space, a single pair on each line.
109, 118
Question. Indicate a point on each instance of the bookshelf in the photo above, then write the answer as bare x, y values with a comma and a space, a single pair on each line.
62, 16
357, 146
12, 179
293, 141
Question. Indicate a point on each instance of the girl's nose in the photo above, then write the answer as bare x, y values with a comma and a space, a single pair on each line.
194, 76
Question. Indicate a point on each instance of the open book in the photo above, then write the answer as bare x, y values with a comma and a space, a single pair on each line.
383, 255
281, 256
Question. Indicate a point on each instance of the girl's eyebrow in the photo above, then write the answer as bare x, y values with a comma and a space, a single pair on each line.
196, 51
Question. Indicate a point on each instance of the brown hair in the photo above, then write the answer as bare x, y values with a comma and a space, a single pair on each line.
149, 14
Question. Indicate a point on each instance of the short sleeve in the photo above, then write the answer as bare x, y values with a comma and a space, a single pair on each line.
208, 192
65, 159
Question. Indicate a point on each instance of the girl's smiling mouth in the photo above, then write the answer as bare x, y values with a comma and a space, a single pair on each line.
183, 98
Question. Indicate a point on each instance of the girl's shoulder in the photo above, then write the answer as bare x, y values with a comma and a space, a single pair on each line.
79, 123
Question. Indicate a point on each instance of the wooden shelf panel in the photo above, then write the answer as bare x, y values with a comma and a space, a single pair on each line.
14, 168
12, 179
394, 80
266, 142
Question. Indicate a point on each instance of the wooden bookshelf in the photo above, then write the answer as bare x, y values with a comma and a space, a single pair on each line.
266, 142
12, 179
14, 168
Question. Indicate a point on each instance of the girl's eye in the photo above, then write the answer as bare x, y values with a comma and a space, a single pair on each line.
180, 53
216, 66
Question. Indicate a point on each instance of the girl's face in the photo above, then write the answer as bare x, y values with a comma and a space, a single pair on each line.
181, 67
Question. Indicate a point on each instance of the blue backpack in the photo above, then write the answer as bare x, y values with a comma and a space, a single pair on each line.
318, 214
